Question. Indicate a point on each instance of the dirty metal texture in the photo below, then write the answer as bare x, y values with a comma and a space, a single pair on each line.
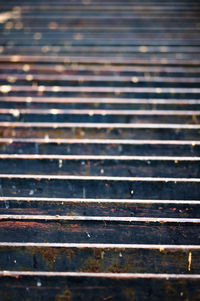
99, 150
115, 147
73, 257
99, 207
76, 287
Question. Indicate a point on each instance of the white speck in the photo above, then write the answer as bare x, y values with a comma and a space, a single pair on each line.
54, 111
143, 49
39, 283
29, 77
134, 79
29, 99
158, 90
41, 88
26, 68
88, 234
55, 89
31, 192
60, 163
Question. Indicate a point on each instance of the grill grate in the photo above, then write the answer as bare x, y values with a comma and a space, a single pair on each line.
99, 150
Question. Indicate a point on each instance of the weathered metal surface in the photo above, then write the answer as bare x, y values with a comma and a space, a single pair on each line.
99, 150
99, 130
126, 166
102, 258
99, 187
76, 287
91, 231
99, 147
99, 207
110, 116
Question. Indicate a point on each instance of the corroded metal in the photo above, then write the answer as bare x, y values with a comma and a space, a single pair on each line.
99, 150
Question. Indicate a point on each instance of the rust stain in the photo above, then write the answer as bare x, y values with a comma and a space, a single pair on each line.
22, 224
129, 293
65, 295
50, 255
91, 266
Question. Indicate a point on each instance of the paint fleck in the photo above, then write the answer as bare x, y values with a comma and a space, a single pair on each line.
189, 261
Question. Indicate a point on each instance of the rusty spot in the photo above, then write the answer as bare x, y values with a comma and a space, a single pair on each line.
65, 295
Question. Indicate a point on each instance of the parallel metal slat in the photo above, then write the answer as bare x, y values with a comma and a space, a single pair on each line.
99, 150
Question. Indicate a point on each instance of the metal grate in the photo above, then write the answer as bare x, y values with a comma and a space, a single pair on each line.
99, 150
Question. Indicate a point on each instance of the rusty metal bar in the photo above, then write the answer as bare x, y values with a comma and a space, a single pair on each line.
99, 150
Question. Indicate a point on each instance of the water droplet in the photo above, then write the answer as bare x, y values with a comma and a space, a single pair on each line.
26, 68
60, 163
143, 49
29, 77
39, 283
14, 112
134, 79
5, 89
37, 36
